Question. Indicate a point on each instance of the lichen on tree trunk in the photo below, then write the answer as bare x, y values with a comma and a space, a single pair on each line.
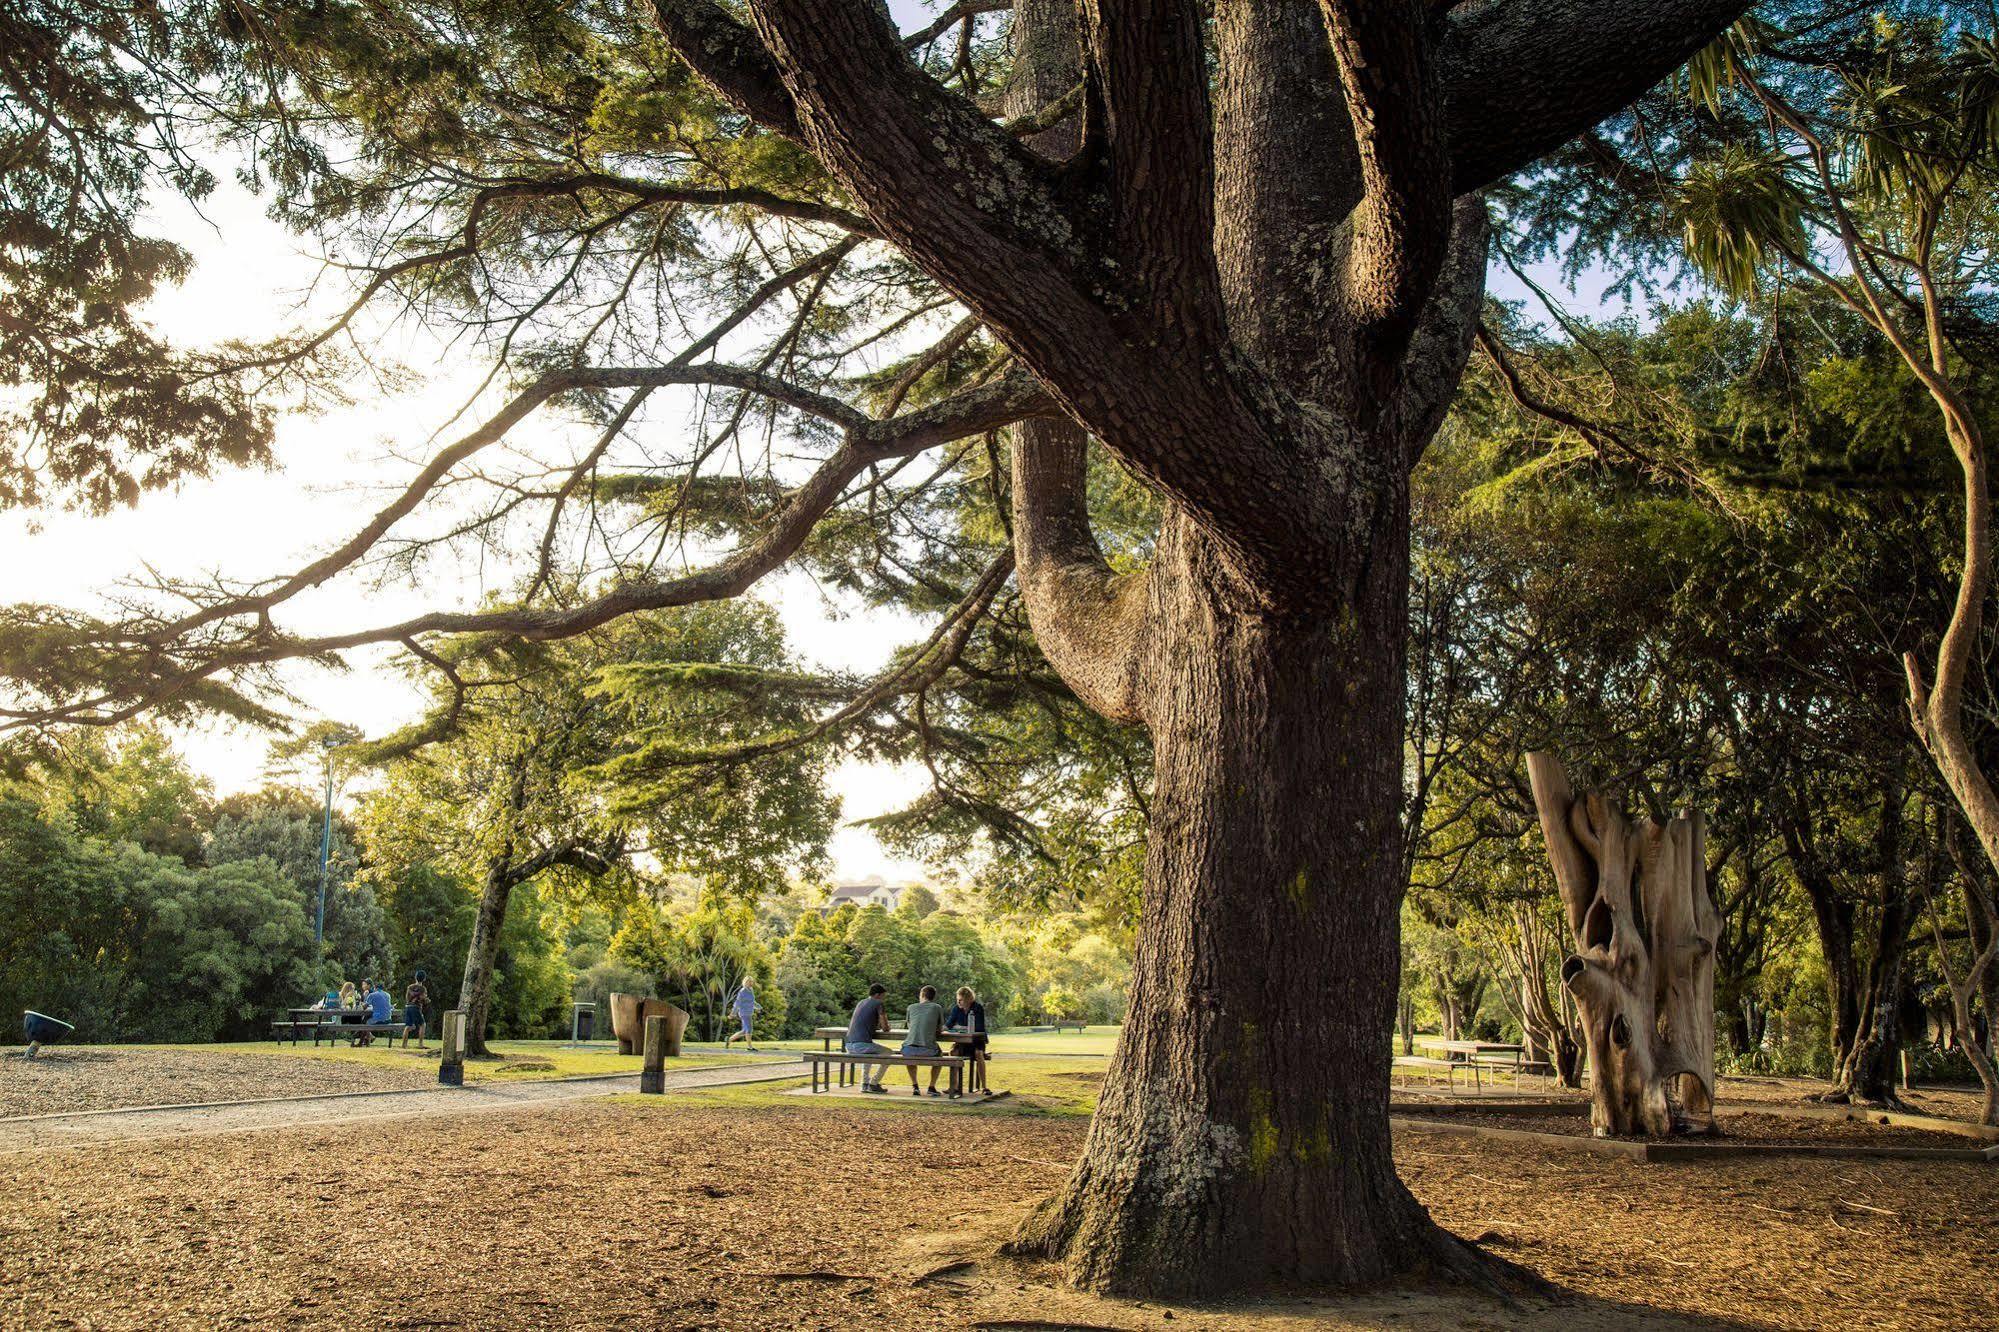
1642, 973
1242, 1135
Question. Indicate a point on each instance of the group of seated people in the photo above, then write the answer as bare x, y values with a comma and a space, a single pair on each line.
370, 1003
927, 1024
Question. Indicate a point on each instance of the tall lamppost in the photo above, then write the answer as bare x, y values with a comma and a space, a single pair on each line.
327, 746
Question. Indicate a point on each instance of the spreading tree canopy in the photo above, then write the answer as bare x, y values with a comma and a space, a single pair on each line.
915, 282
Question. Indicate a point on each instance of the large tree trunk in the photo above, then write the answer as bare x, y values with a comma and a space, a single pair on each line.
1258, 290
1242, 1135
1642, 973
475, 997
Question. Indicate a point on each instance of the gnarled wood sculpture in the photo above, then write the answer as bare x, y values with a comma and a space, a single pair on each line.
1643, 968
628, 1022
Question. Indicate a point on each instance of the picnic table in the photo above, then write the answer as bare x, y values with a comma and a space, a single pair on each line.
831, 1068
827, 1035
332, 1024
1471, 1057
1473, 1052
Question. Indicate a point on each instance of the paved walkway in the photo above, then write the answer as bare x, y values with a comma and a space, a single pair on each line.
54, 1132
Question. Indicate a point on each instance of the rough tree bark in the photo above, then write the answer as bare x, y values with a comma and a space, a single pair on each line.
1250, 268
1643, 968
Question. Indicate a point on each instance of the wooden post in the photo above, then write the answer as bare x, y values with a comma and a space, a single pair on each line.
451, 1068
652, 1078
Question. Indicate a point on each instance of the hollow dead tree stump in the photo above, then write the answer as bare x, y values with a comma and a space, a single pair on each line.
1642, 972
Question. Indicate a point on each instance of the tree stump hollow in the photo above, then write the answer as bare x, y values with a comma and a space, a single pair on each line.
1642, 969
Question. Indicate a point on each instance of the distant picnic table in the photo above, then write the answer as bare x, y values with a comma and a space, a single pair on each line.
1470, 1057
1476, 1051
331, 1024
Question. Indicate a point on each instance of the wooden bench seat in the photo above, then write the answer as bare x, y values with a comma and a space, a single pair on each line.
335, 1030
825, 1064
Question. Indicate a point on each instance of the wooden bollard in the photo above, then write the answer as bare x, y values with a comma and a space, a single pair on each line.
652, 1078
451, 1068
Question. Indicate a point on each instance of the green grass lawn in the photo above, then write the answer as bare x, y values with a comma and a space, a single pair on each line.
518, 1061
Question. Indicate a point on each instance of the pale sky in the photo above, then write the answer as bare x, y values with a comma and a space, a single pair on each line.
332, 471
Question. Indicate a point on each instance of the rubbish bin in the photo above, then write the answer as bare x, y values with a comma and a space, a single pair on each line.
41, 1029
584, 1023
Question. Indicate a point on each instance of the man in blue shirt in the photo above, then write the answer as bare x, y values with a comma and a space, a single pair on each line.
376, 1000
870, 1021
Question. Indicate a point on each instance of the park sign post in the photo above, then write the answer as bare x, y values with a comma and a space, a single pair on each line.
652, 1078
451, 1069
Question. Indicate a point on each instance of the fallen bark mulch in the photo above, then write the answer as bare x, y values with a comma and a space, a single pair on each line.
65, 1081
1754, 1128
675, 1214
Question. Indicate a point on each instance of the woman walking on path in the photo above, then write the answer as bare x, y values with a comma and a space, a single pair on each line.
746, 1007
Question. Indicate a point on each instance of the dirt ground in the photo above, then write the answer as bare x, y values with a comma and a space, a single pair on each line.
1943, 1102
1768, 1128
673, 1213
64, 1081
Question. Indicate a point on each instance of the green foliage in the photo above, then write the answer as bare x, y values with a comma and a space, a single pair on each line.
698, 959
125, 786
132, 946
428, 917
101, 111
1739, 208
553, 765
1721, 628
825, 966
284, 826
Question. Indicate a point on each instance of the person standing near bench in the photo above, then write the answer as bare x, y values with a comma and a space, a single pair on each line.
968, 1022
870, 1021
926, 1018
416, 1000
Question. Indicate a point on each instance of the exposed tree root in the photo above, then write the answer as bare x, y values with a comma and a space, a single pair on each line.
1423, 1253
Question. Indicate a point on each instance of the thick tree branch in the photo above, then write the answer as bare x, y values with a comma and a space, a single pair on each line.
1090, 622
697, 196
1281, 126
1442, 343
937, 177
1148, 67
181, 662
1402, 222
730, 58
1522, 77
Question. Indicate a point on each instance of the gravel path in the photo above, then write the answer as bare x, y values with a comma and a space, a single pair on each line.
91, 1128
